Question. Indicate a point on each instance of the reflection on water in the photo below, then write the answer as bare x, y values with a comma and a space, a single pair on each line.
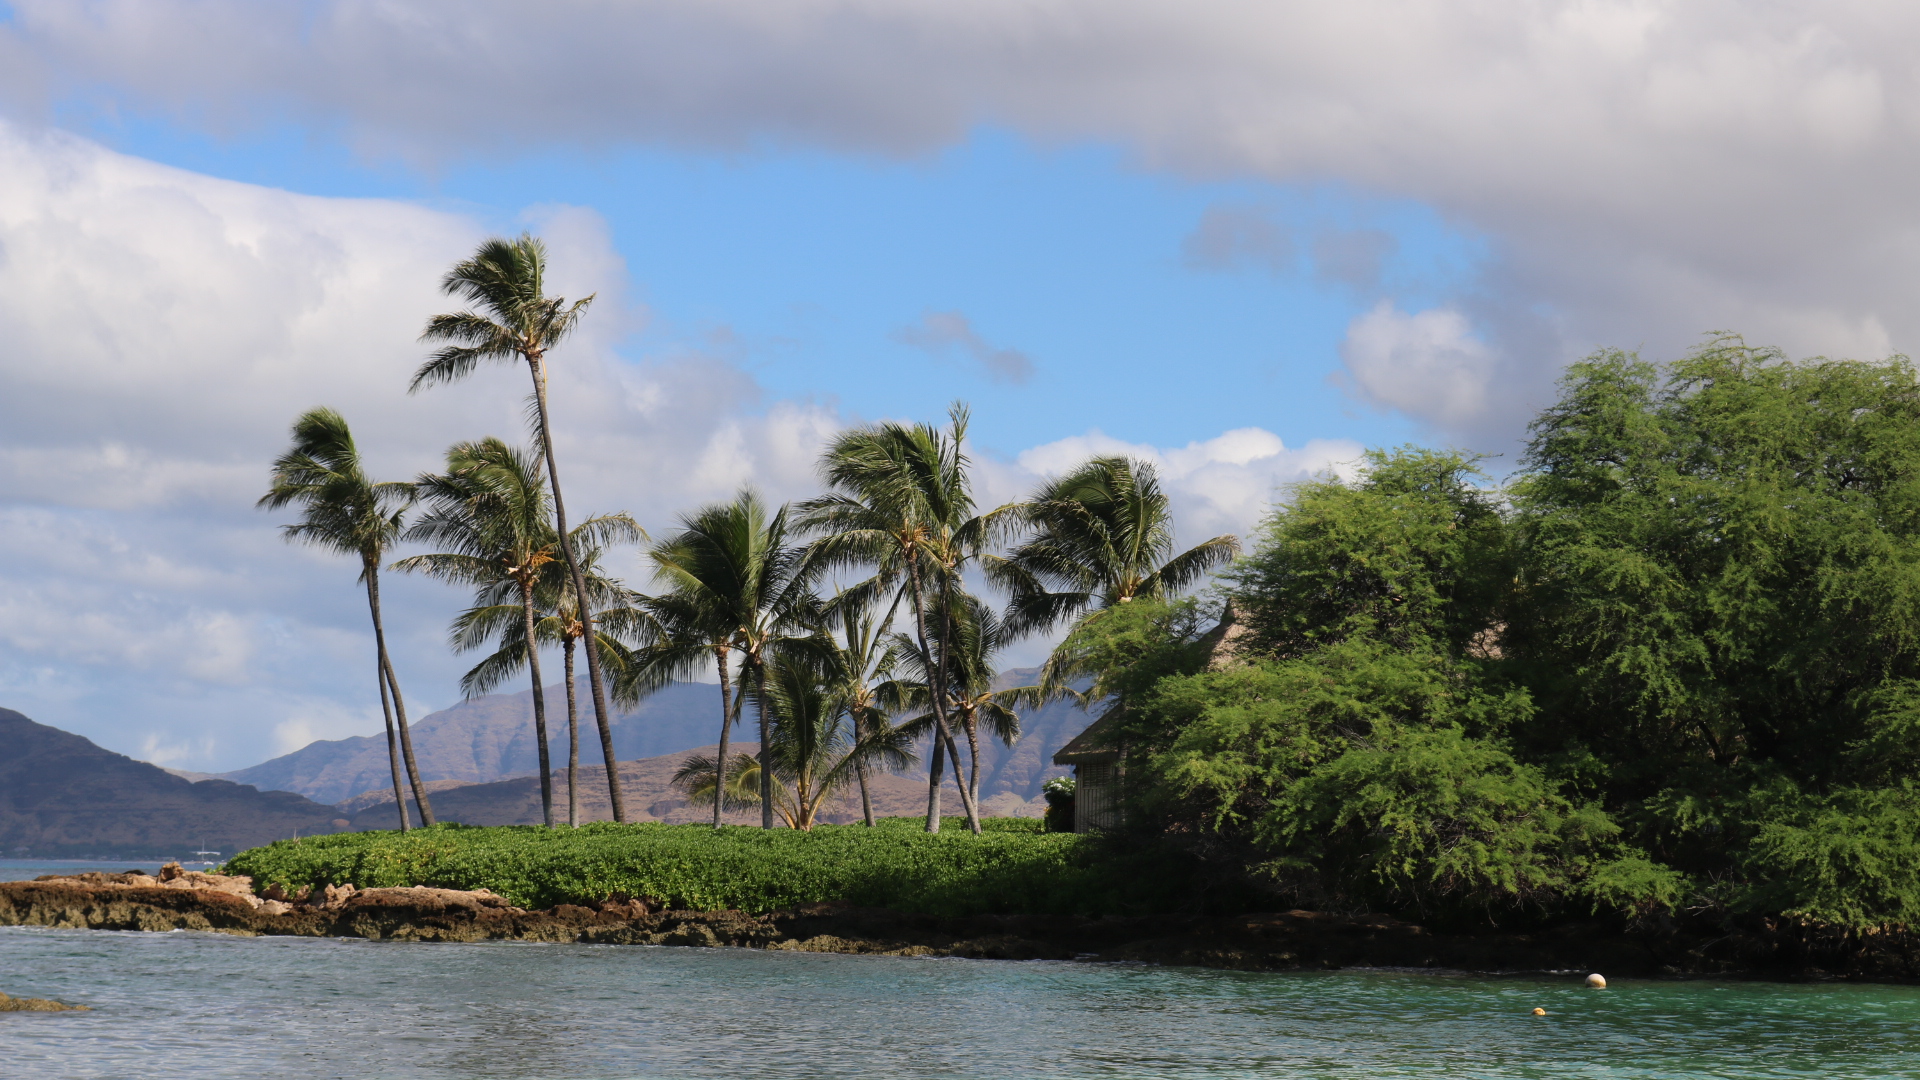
204, 1005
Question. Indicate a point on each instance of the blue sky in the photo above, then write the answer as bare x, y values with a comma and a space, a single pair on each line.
1242, 241
804, 267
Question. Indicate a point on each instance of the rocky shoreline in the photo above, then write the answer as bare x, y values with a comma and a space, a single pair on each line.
1293, 940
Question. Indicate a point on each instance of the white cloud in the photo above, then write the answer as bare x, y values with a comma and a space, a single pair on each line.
1428, 363
1642, 170
1221, 485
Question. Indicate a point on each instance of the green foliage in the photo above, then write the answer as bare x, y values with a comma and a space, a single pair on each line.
1413, 553
1434, 818
1010, 867
1677, 659
1851, 858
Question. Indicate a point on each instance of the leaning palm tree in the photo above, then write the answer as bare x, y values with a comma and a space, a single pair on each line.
1100, 535
491, 513
900, 500
734, 565
344, 511
520, 623
513, 320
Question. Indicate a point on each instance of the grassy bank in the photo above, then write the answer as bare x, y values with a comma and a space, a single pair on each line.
1011, 867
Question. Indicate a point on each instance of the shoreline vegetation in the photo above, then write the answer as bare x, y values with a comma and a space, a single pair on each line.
1662, 677
1009, 893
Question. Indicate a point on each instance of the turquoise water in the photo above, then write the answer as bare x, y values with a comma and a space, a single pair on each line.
204, 1005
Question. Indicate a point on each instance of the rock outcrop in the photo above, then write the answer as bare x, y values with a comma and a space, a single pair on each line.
14, 1004
187, 900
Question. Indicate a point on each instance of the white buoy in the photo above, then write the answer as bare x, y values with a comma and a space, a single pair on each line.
1598, 982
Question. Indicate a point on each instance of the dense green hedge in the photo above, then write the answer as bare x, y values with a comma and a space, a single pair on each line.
1011, 867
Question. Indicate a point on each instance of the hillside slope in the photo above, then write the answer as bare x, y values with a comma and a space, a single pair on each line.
646, 786
61, 795
491, 738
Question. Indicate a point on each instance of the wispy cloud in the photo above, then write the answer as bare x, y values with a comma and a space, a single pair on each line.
940, 333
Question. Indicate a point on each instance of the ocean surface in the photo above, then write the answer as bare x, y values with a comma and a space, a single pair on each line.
208, 1006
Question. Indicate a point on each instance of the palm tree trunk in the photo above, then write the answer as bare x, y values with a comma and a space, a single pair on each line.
972, 725
594, 676
937, 692
860, 767
539, 702
766, 744
573, 741
399, 703
967, 802
393, 745
720, 656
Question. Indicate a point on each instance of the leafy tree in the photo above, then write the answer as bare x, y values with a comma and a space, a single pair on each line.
1721, 597
1414, 552
342, 510
1100, 535
900, 500
512, 320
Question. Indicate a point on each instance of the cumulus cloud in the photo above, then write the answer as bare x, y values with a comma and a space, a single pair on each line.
1642, 170
1225, 484
939, 333
1427, 363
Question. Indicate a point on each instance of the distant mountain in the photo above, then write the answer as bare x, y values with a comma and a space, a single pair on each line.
60, 795
489, 738
646, 787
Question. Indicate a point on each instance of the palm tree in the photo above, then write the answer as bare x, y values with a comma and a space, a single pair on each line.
547, 614
900, 500
491, 512
1100, 535
618, 618
741, 586
685, 628
516, 321
812, 750
858, 653
977, 636
344, 511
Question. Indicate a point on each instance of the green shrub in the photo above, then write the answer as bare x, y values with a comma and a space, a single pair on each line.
1011, 868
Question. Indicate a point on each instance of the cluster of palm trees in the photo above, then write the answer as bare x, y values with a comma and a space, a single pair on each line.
845, 620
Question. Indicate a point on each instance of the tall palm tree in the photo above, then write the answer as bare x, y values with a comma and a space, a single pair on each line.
344, 511
1100, 535
547, 614
901, 501
491, 513
511, 319
733, 567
